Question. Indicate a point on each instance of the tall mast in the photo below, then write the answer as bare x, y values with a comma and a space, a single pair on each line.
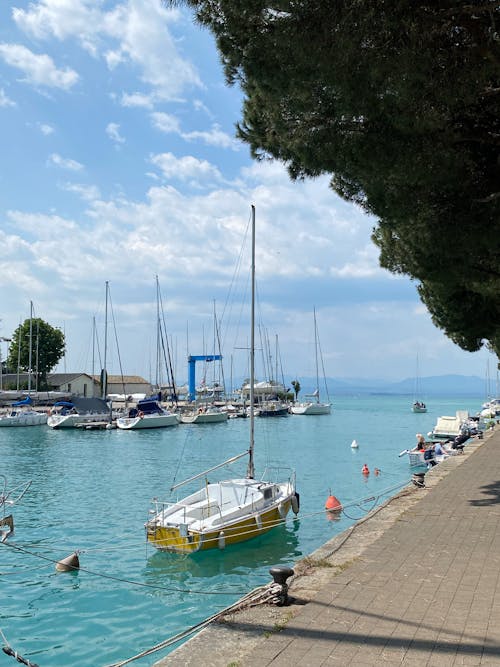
251, 467
316, 355
30, 350
104, 374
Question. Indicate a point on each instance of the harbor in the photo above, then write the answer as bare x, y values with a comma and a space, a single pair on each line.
415, 583
90, 493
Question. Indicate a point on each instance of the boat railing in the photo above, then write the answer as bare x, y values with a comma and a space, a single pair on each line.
198, 511
274, 474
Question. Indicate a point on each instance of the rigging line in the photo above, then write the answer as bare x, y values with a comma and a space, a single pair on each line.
123, 581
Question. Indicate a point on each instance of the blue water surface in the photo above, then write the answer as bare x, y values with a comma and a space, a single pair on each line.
91, 492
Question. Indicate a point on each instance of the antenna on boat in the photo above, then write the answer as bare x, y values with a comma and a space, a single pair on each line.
251, 467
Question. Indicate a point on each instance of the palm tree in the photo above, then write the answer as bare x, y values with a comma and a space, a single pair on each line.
296, 388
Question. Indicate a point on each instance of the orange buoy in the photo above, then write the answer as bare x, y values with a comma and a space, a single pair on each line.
333, 504
365, 470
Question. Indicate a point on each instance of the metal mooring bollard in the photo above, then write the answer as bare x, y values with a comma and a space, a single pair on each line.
280, 574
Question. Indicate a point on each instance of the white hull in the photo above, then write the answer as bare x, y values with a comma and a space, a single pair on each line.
70, 421
311, 409
24, 419
147, 421
204, 418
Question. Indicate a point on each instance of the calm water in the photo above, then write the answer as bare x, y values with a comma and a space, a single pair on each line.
91, 492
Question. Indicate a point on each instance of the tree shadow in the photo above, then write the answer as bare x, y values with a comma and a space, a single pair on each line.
491, 493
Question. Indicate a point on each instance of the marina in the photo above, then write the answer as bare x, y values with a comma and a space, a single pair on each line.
90, 493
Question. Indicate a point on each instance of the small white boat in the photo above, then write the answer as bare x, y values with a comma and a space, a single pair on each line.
204, 415
25, 416
354, 444
148, 413
418, 406
69, 414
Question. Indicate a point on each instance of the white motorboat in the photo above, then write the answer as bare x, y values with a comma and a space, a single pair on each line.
229, 511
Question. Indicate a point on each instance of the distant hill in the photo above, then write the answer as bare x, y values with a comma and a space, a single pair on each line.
438, 385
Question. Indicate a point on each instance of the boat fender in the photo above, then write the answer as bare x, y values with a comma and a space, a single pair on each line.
333, 504
282, 510
68, 564
221, 541
258, 521
295, 503
365, 470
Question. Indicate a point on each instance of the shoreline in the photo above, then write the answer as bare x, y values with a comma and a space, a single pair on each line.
231, 639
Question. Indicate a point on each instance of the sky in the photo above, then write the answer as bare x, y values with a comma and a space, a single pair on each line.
119, 163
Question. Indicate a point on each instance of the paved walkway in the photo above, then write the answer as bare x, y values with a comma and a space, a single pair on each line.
424, 592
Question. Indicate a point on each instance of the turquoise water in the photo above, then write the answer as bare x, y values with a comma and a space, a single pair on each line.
91, 492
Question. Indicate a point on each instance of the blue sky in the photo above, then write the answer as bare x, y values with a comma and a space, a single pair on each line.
119, 163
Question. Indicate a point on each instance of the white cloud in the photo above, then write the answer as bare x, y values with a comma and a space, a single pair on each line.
139, 27
39, 70
187, 168
214, 137
86, 192
137, 100
5, 101
165, 122
45, 129
62, 19
113, 132
64, 163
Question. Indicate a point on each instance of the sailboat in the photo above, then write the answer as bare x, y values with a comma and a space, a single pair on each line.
418, 405
149, 413
82, 411
26, 415
315, 406
229, 511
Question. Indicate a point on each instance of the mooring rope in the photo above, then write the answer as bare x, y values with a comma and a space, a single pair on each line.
8, 650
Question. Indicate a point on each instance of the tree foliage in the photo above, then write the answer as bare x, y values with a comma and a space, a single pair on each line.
400, 103
47, 348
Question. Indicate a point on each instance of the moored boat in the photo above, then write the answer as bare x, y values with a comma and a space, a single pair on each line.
25, 416
210, 414
80, 410
148, 413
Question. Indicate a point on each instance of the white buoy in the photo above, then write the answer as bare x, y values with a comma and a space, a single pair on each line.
354, 444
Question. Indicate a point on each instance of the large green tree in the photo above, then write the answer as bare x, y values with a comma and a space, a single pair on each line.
400, 103
47, 348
